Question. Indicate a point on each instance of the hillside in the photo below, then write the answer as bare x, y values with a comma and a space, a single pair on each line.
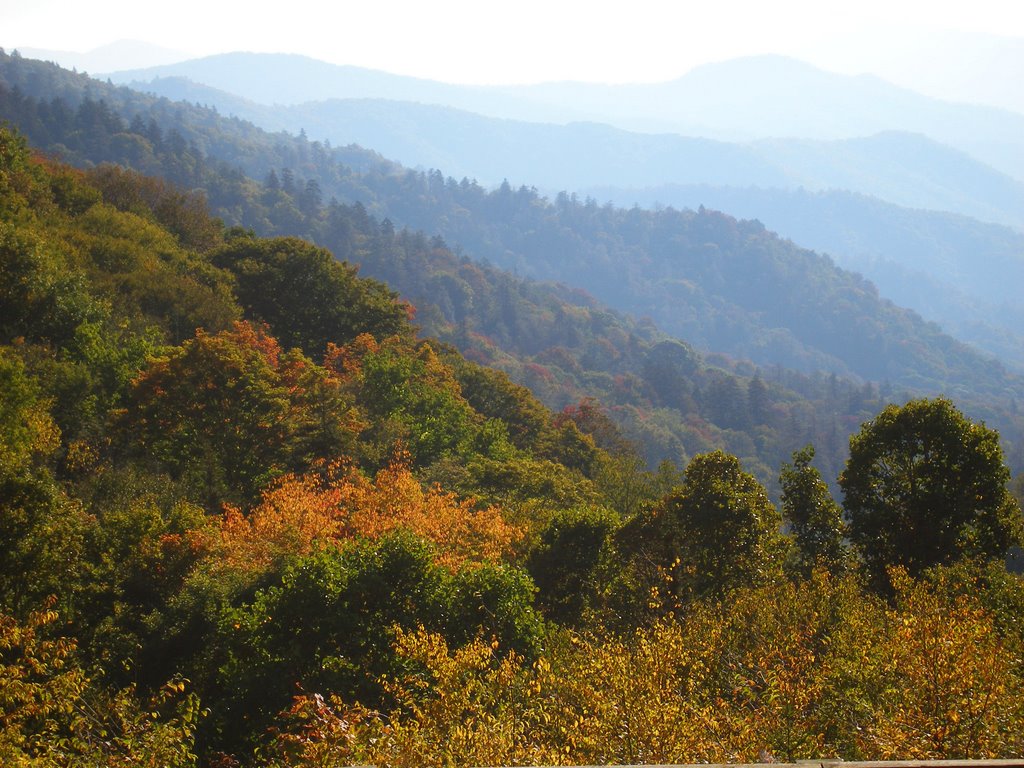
941, 265
952, 270
252, 518
914, 356
757, 97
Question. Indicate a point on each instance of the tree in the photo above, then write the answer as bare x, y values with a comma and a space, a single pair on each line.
331, 622
668, 368
565, 562
230, 412
307, 297
52, 713
718, 531
926, 486
814, 517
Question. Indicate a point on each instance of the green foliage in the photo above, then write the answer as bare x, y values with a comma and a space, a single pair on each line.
42, 297
27, 431
139, 557
144, 272
559, 341
716, 532
566, 562
780, 672
52, 713
814, 517
44, 536
414, 401
182, 213
39, 686
493, 602
308, 299
491, 393
925, 486
330, 624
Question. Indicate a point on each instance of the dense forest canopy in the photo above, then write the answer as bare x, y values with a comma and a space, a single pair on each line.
253, 514
559, 341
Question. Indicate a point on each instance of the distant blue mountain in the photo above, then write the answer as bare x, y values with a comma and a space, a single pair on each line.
742, 99
907, 169
961, 273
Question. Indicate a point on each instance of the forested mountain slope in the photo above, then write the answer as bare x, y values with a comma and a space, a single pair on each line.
251, 517
940, 264
955, 271
634, 255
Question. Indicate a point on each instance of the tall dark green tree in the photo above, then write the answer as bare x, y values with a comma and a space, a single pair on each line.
718, 531
812, 514
926, 486
566, 560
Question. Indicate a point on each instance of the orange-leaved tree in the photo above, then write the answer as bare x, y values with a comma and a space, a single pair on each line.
338, 502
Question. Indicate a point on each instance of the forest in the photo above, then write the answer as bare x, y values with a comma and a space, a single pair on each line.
259, 509
668, 398
252, 517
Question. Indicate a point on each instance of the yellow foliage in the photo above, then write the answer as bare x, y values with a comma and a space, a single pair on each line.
953, 690
815, 669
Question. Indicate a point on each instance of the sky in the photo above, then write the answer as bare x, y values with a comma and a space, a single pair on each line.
477, 41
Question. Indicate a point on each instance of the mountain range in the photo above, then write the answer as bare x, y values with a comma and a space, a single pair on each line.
726, 285
901, 208
742, 99
907, 169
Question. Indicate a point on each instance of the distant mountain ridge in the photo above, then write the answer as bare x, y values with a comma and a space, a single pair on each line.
907, 169
954, 270
741, 99
727, 285
958, 272
651, 263
110, 56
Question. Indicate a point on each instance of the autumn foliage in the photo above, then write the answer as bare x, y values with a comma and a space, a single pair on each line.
337, 503
249, 518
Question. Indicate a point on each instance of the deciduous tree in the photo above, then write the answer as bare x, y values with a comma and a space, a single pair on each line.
926, 486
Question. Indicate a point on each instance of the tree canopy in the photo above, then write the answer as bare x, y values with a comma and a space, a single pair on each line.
926, 486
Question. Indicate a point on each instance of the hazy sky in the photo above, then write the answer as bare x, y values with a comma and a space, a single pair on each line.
476, 41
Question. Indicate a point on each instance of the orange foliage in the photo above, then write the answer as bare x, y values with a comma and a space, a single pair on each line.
256, 337
397, 500
345, 360
339, 503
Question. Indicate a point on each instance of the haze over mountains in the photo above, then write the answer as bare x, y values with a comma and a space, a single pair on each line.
710, 303
949, 265
744, 99
941, 63
110, 56
908, 169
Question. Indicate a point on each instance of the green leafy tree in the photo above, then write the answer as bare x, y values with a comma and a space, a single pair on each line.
307, 297
565, 562
27, 430
812, 514
717, 531
331, 623
412, 398
926, 486
40, 526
